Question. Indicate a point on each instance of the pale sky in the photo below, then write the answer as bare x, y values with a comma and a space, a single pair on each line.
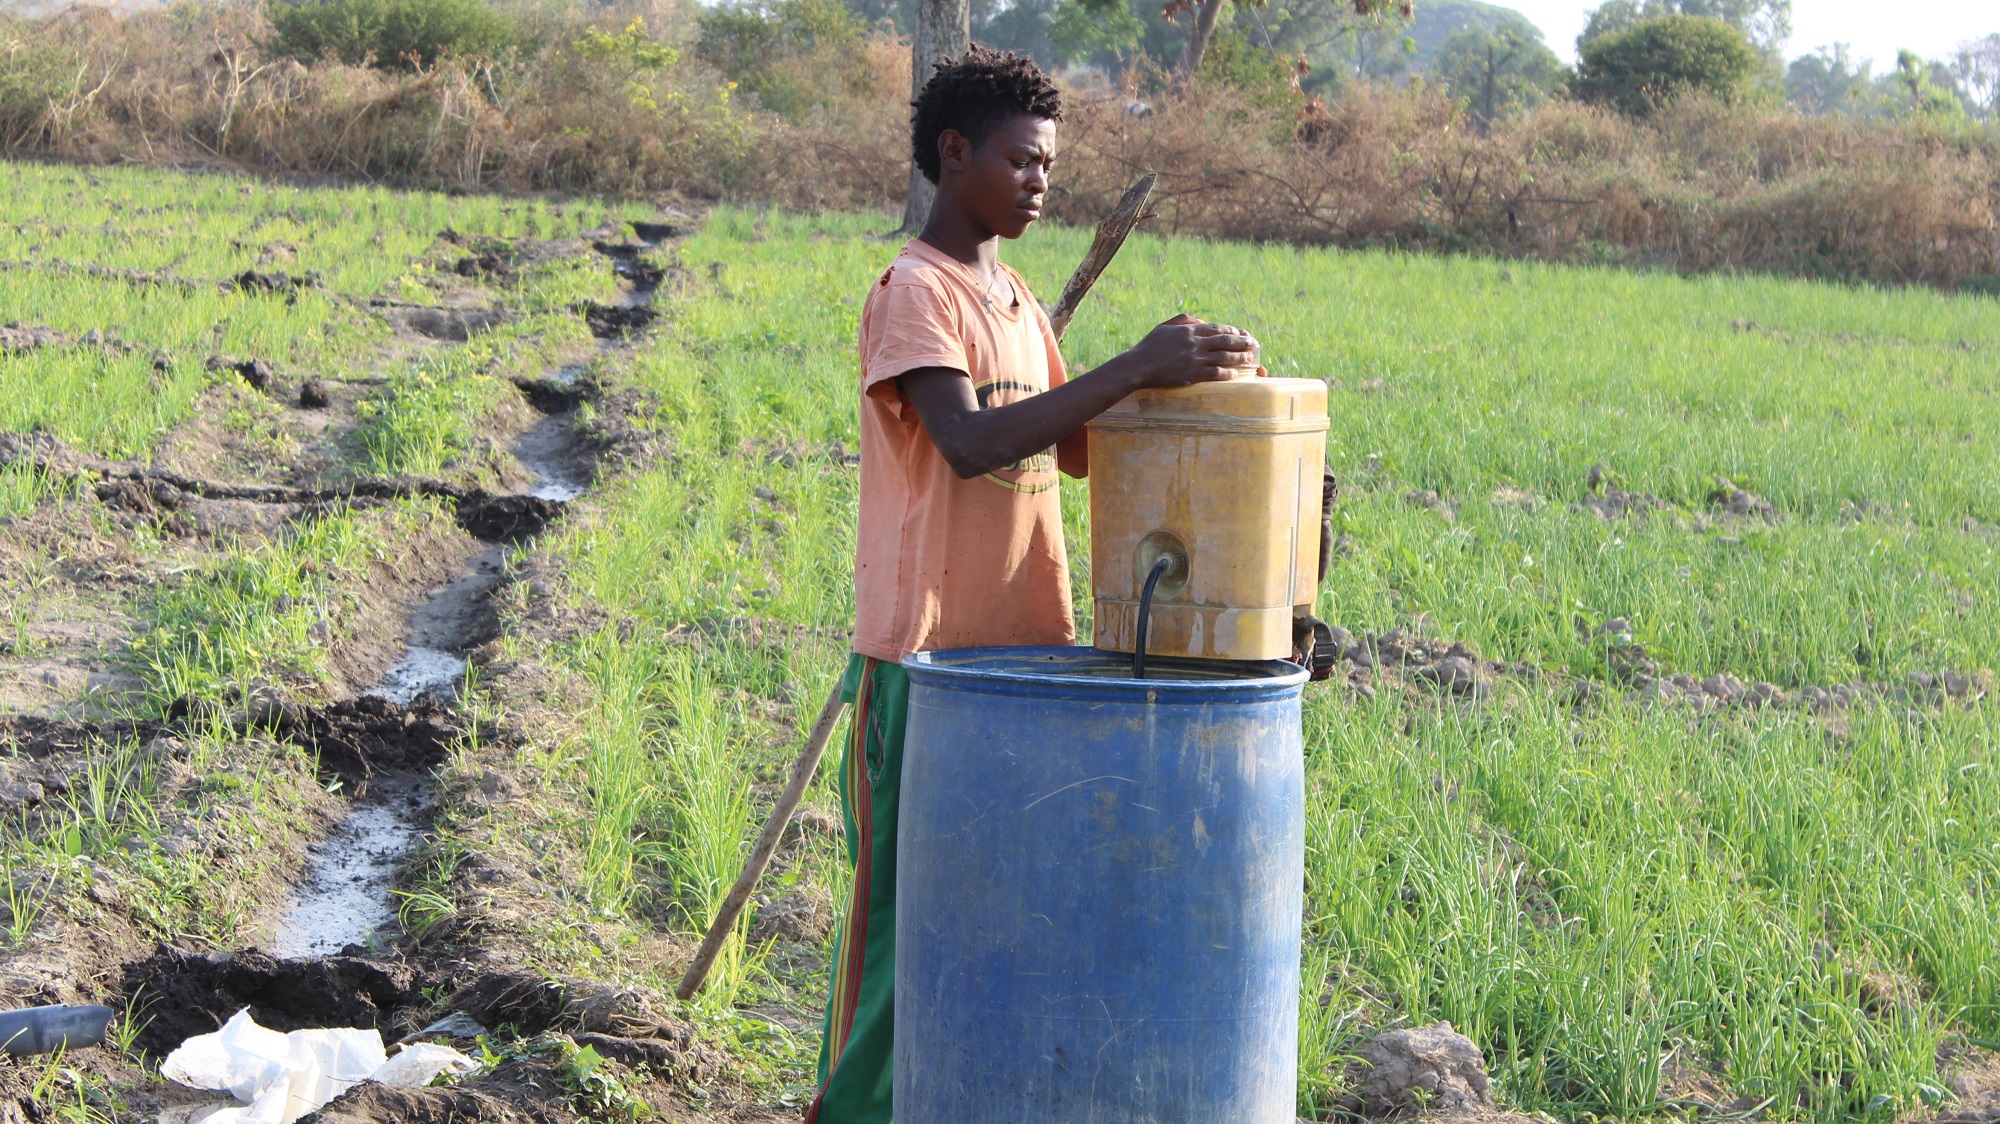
1874, 29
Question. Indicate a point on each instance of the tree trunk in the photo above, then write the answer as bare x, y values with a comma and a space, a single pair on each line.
1489, 93
944, 30
1205, 14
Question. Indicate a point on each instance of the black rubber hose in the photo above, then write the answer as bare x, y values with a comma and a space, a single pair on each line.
1161, 565
42, 1030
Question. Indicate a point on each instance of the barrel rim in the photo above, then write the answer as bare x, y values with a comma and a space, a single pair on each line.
1286, 680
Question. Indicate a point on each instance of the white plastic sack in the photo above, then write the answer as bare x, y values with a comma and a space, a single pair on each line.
281, 1077
419, 1063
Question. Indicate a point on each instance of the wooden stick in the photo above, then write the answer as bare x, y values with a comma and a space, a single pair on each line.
1110, 236
766, 846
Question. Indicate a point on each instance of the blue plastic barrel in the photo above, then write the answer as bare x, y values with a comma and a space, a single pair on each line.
1098, 891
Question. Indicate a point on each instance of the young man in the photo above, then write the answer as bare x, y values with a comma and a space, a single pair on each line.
965, 417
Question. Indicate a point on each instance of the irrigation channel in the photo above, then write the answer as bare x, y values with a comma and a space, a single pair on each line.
346, 899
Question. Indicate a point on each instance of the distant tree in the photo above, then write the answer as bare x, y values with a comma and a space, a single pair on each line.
1829, 80
1766, 23
1929, 87
1080, 30
1498, 73
749, 41
1203, 14
1439, 20
901, 15
1609, 18
1334, 42
1326, 44
1021, 26
1261, 75
1377, 53
1977, 68
1656, 59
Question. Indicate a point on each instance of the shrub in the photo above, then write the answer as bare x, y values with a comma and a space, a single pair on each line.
793, 55
395, 34
38, 77
1637, 69
1262, 76
630, 57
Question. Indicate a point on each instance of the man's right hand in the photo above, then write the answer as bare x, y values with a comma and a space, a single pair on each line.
1184, 351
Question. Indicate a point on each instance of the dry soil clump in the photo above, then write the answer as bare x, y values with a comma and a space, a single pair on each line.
1425, 1069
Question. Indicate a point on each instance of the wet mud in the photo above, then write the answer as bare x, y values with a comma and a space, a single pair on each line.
389, 740
369, 1103
272, 283
628, 264
548, 450
447, 325
560, 391
36, 736
654, 233
190, 993
347, 897
255, 372
493, 267
151, 491
187, 993
19, 338
356, 739
196, 992
421, 671
612, 322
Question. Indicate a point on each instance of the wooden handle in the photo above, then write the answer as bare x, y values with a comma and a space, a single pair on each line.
764, 848
1110, 236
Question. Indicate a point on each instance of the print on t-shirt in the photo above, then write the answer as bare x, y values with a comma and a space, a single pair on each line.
1038, 472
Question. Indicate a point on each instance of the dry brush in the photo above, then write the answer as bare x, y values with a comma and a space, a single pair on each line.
1698, 186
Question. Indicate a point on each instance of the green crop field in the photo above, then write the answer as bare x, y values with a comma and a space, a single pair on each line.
146, 260
1595, 889
1659, 768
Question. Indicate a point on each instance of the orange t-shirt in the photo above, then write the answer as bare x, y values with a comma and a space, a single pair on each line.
942, 562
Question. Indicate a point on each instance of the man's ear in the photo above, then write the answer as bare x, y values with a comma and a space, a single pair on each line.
954, 150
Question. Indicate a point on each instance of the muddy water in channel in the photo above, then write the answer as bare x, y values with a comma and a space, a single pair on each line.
544, 451
347, 896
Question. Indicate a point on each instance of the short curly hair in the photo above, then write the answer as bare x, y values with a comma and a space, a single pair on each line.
974, 92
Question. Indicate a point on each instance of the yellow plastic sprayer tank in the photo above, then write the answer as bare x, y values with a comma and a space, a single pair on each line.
1224, 478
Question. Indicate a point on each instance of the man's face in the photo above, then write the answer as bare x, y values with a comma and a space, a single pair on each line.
1002, 179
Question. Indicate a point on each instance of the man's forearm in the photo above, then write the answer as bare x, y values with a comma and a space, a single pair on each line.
1180, 352
975, 441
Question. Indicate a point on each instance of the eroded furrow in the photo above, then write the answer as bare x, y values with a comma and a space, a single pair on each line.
345, 901
360, 800
145, 490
